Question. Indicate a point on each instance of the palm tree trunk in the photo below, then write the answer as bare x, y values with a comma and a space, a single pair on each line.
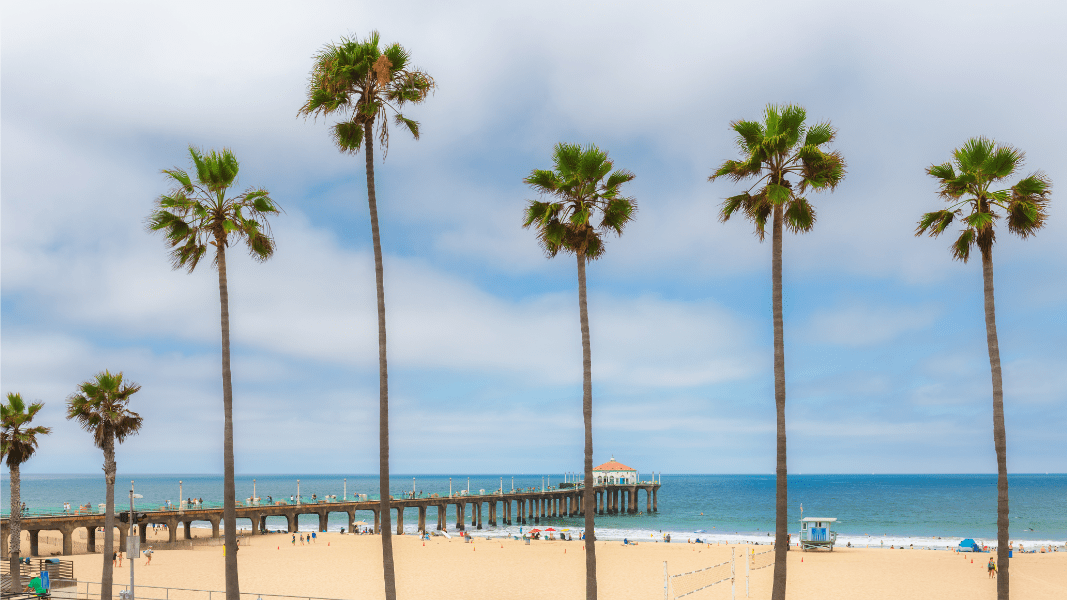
383, 376
999, 433
587, 416
109, 516
781, 525
15, 523
229, 494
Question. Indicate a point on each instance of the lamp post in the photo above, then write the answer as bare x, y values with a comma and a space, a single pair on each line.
181, 498
501, 486
255, 500
468, 486
132, 540
513, 483
449, 487
346, 489
298, 491
412, 487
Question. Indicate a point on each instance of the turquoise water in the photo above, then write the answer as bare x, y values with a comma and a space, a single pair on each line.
871, 509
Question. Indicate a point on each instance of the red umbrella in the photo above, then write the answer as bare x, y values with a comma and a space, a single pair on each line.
535, 530
550, 529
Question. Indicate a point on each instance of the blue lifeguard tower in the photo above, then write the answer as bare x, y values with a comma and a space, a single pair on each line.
817, 532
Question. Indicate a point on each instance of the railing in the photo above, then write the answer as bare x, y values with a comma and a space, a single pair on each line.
95, 510
91, 590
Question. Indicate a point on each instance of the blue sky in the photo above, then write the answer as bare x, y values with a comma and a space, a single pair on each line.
886, 361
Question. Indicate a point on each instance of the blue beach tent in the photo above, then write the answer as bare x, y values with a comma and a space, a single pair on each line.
968, 545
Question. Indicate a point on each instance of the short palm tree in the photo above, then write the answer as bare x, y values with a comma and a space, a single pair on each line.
197, 213
967, 185
581, 188
18, 442
363, 83
101, 407
786, 159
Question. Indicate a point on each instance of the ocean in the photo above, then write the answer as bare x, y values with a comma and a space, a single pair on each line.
871, 510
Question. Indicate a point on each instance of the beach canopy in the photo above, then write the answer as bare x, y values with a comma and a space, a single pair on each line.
968, 544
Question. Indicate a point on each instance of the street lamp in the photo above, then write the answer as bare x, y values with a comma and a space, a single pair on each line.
346, 489
181, 498
133, 545
298, 491
449, 487
254, 499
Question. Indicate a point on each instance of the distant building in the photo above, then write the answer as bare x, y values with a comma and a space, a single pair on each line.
614, 473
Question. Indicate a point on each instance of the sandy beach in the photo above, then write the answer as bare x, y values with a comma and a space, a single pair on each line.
348, 566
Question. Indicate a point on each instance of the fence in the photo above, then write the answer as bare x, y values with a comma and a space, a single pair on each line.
684, 584
90, 590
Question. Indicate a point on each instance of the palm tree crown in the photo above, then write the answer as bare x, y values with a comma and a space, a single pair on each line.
362, 82
101, 407
18, 442
780, 149
197, 212
583, 184
967, 182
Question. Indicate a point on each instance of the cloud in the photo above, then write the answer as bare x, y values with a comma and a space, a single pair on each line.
867, 324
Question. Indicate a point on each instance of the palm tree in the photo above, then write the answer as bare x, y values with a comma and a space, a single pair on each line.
786, 158
981, 164
101, 407
582, 187
363, 83
18, 442
195, 214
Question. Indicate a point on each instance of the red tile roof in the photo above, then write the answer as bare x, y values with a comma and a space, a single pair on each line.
613, 465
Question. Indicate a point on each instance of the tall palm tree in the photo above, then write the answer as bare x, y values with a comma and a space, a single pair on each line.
197, 213
101, 407
363, 83
983, 164
582, 187
18, 442
786, 159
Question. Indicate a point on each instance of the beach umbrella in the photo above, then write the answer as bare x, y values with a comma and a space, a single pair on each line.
550, 529
534, 531
360, 523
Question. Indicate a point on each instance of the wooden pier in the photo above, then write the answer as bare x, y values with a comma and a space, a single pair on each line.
509, 508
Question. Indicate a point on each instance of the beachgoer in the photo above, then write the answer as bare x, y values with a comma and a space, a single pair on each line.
992, 568
148, 555
37, 587
301, 539
294, 539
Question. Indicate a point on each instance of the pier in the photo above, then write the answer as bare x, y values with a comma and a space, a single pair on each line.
492, 509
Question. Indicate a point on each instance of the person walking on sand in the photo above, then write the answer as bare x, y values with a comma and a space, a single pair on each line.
992, 568
294, 539
148, 555
314, 537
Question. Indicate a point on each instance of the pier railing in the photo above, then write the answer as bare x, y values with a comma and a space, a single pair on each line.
96, 509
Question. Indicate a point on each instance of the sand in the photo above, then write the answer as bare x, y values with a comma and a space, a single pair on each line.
349, 567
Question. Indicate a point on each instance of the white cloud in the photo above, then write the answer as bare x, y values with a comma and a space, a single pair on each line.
867, 324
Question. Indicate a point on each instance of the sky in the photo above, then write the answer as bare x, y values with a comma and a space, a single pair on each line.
886, 362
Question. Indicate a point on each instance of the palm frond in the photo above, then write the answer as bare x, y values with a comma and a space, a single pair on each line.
749, 134
961, 248
799, 215
413, 126
819, 134
936, 222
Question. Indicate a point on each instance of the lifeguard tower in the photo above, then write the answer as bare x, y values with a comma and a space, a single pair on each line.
817, 532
